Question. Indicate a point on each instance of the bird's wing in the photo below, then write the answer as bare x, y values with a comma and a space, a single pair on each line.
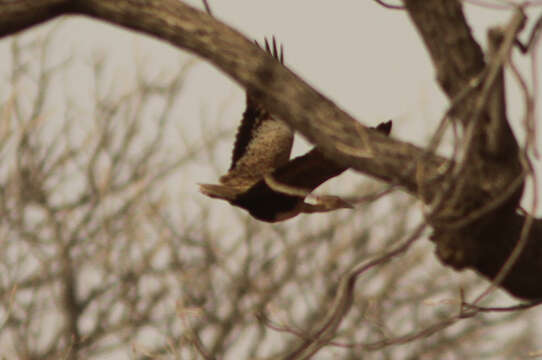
263, 142
305, 173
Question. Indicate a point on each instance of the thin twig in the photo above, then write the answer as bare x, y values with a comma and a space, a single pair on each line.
344, 298
518, 307
207, 7
388, 6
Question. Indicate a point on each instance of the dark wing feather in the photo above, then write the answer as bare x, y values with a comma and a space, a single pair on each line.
307, 171
252, 116
313, 169
254, 113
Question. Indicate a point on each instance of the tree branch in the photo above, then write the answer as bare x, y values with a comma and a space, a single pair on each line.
317, 118
458, 60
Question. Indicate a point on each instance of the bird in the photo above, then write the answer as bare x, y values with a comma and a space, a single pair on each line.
262, 179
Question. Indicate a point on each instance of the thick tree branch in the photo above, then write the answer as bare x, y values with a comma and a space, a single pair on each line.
21, 15
316, 117
458, 60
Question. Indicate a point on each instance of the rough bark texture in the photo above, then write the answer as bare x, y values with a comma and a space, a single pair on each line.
492, 160
490, 167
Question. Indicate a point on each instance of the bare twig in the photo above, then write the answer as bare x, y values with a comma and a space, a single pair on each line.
343, 299
388, 6
207, 7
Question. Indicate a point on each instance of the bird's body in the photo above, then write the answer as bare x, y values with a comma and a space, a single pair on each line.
262, 179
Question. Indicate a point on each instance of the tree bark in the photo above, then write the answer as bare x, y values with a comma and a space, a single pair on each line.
469, 233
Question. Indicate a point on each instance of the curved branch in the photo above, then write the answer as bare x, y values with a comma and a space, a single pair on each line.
457, 57
317, 118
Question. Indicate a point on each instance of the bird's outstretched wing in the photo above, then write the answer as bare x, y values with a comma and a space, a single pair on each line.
254, 113
305, 173
263, 142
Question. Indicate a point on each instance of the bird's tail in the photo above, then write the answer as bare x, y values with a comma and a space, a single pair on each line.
219, 191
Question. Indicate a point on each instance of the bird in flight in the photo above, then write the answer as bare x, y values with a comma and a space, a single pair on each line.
262, 178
